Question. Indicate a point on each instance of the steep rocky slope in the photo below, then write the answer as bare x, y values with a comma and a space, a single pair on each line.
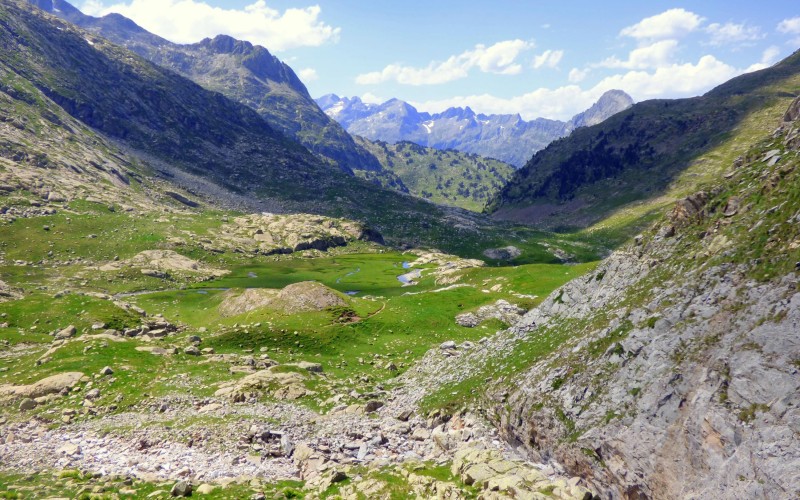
641, 153
243, 72
508, 138
671, 371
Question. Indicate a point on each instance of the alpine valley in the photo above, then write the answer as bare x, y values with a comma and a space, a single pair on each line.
209, 287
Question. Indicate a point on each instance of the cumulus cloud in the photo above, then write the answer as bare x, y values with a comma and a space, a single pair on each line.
189, 21
308, 75
673, 23
655, 55
731, 33
499, 58
673, 80
371, 98
768, 58
578, 75
548, 59
791, 26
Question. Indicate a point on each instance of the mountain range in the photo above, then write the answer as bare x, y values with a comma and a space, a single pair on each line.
188, 293
508, 138
249, 74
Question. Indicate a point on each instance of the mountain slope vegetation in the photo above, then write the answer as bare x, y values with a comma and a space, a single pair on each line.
199, 139
670, 370
644, 152
446, 177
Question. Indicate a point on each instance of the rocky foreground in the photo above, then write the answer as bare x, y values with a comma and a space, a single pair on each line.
238, 439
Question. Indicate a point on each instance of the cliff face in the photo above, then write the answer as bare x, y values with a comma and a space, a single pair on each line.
681, 377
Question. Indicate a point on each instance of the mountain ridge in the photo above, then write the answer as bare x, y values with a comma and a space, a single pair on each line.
508, 138
242, 71
637, 154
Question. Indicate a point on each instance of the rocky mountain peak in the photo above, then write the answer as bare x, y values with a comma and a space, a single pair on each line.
457, 113
225, 44
255, 58
609, 104
508, 138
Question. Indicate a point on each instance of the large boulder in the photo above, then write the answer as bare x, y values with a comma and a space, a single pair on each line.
50, 385
307, 296
236, 303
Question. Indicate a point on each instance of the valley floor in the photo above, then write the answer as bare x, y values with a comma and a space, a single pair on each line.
162, 355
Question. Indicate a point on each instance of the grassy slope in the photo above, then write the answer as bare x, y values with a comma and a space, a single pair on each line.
647, 156
446, 177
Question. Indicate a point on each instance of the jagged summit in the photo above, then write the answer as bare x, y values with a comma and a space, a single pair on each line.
255, 58
505, 137
609, 104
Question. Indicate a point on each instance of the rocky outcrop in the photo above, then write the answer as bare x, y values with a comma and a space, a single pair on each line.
300, 297
505, 253
307, 296
446, 269
50, 385
235, 303
501, 310
680, 378
275, 381
8, 292
270, 234
163, 263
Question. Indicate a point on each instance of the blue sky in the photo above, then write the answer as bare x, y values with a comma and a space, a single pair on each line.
546, 58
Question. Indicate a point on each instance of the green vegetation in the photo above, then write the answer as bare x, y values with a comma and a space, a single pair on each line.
71, 483
646, 157
446, 177
53, 261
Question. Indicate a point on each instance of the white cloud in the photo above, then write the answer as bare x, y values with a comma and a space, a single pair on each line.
371, 98
578, 75
674, 80
656, 55
791, 26
189, 21
730, 33
308, 75
673, 23
768, 58
498, 58
548, 58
